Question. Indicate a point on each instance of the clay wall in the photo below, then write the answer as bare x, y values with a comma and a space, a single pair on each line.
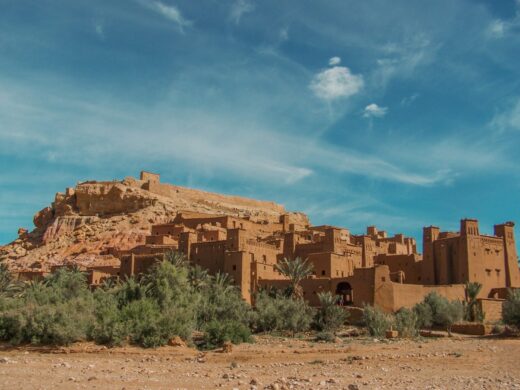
163, 239
97, 277
409, 265
31, 275
150, 177
133, 265
331, 265
492, 309
238, 266
209, 255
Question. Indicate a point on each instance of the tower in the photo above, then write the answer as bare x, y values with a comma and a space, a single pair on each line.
507, 232
430, 235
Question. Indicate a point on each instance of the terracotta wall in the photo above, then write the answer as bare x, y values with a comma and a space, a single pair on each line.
492, 309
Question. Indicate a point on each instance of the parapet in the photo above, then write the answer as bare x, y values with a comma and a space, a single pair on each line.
150, 177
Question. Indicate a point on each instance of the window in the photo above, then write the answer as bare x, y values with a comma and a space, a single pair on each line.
383, 279
234, 267
323, 273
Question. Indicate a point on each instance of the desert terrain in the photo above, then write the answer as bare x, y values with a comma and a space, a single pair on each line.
459, 362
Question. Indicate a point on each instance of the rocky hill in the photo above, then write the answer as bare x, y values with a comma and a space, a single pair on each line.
87, 223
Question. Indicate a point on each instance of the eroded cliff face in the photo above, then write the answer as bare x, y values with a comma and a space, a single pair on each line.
89, 223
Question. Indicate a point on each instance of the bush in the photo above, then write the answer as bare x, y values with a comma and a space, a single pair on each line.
511, 308
406, 322
440, 312
58, 311
146, 325
108, 327
376, 321
218, 332
329, 316
281, 313
328, 337
424, 315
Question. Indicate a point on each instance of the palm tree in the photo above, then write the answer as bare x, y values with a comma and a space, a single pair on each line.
198, 277
296, 270
223, 281
8, 285
178, 259
472, 290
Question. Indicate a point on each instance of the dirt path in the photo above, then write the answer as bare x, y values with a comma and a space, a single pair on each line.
276, 363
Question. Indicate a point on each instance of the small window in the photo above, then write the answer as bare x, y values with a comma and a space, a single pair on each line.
234, 267
323, 273
383, 279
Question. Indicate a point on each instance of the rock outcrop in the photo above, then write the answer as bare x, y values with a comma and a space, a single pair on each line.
90, 223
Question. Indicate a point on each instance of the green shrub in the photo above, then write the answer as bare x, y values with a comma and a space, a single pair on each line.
108, 327
218, 332
328, 337
58, 311
146, 326
511, 308
443, 312
57, 324
424, 315
376, 321
329, 316
282, 314
406, 322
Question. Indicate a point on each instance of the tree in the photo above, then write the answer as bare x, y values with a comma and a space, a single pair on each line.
8, 285
199, 277
178, 259
296, 270
472, 311
443, 312
511, 308
330, 316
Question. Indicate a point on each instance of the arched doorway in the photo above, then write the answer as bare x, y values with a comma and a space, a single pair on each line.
344, 291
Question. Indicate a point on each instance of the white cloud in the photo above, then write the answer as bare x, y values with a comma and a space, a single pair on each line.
99, 30
283, 35
499, 28
508, 119
239, 8
334, 61
336, 82
170, 12
496, 29
374, 111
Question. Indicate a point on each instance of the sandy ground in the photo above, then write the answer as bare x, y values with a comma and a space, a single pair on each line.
272, 363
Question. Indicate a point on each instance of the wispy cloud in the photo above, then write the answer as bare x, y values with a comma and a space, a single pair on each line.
99, 29
336, 82
374, 111
499, 28
401, 59
508, 119
239, 8
169, 12
408, 100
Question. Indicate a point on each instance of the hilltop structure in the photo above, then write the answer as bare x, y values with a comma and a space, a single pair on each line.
248, 240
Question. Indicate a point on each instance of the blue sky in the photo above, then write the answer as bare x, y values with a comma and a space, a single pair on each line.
395, 113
